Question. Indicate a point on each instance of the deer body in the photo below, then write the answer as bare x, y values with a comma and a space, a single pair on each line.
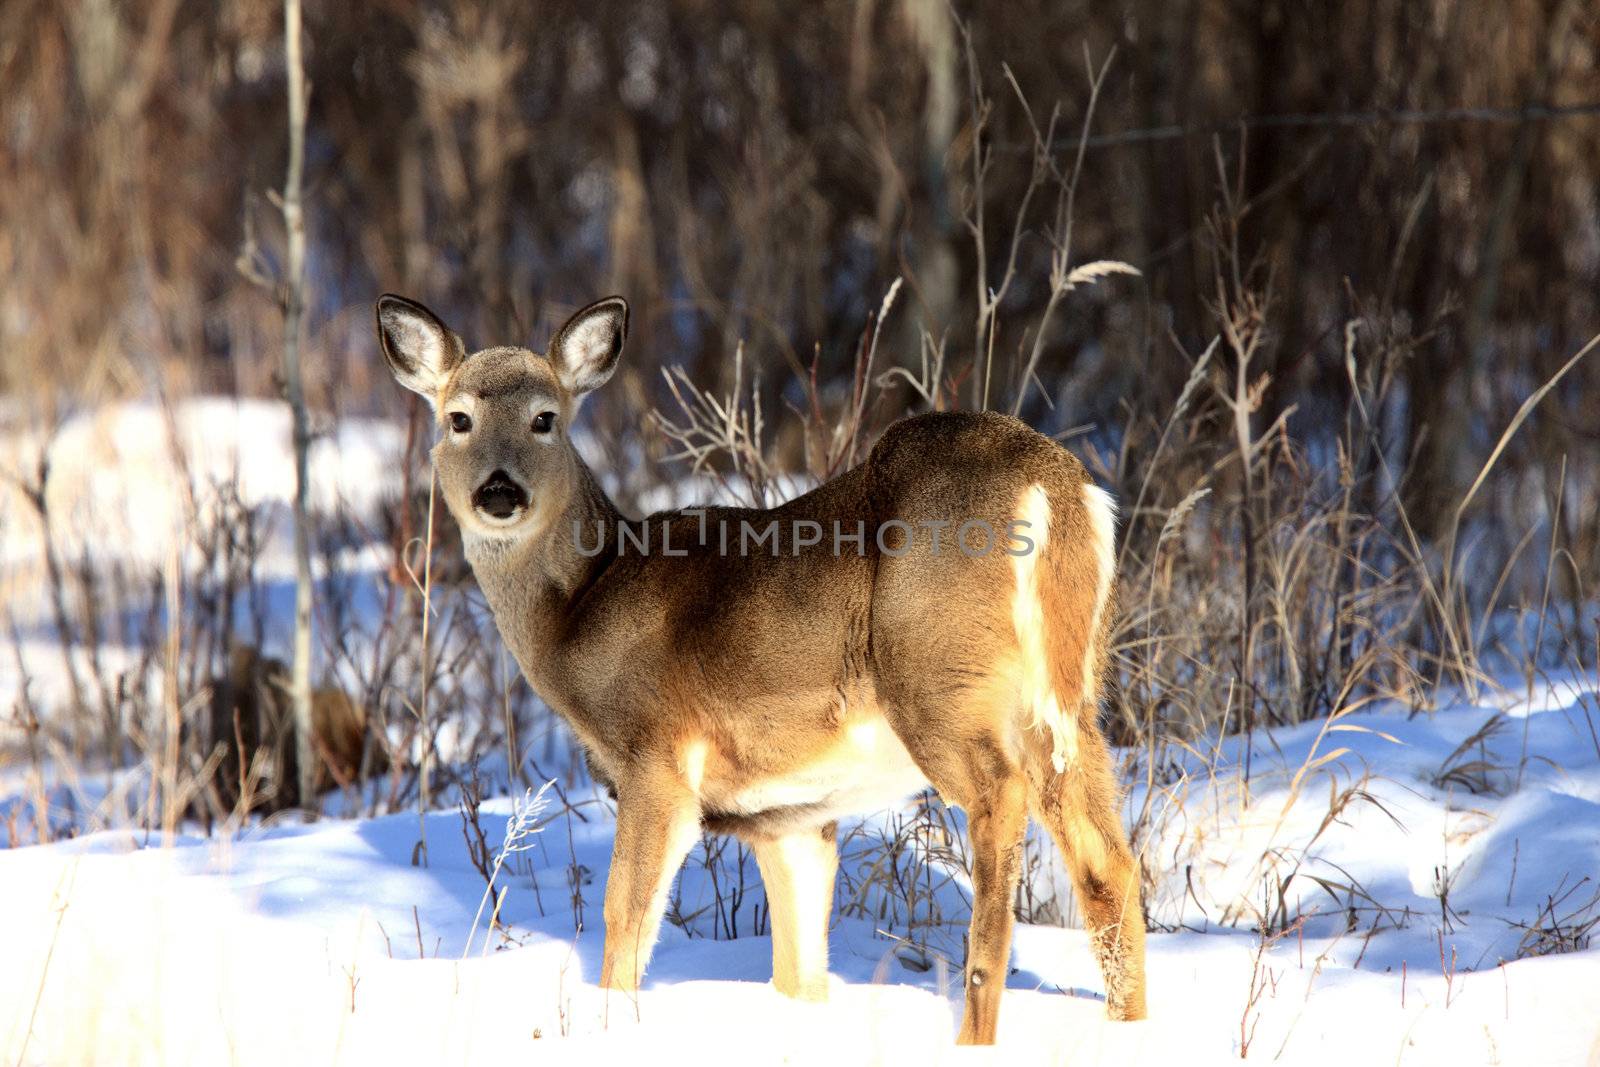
866, 651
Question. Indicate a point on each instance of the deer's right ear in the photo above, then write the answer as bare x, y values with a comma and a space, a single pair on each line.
421, 350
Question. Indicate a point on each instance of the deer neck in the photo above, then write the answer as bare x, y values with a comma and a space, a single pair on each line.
533, 583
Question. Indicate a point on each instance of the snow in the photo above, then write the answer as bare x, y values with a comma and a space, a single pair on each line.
288, 943
301, 943
123, 476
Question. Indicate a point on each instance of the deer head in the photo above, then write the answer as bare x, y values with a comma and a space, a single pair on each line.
505, 459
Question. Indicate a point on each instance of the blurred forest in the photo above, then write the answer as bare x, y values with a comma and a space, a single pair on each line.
760, 174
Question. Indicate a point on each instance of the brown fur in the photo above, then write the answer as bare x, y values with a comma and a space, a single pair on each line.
766, 695
253, 722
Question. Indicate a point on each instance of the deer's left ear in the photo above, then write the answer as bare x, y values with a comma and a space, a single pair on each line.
585, 350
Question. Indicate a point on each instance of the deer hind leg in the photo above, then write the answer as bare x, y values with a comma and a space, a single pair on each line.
1079, 806
984, 781
798, 871
997, 823
657, 824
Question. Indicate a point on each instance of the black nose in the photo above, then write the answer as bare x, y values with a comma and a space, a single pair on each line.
499, 496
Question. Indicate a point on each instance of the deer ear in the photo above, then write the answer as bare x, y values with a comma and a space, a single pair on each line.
421, 350
585, 350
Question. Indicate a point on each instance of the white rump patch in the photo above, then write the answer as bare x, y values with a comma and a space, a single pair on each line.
1103, 528
1027, 616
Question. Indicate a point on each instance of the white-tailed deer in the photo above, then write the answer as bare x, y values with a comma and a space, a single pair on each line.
939, 614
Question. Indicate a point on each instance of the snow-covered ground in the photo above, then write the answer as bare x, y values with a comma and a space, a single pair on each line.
325, 943
1428, 885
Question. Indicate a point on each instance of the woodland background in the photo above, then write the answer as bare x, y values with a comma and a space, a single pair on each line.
1308, 287
759, 174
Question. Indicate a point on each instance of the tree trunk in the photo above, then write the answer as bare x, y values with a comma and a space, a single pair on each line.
294, 306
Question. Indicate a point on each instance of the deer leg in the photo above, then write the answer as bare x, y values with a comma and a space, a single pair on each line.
1108, 887
996, 822
798, 870
1080, 809
657, 824
963, 749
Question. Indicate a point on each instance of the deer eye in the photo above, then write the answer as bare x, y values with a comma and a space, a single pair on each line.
460, 421
544, 422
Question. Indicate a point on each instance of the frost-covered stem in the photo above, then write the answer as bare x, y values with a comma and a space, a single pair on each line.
472, 934
426, 766
523, 824
294, 306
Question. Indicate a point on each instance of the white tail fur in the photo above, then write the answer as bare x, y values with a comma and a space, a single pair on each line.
1039, 697
1103, 527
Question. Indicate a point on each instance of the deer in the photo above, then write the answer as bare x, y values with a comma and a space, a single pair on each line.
768, 692
252, 724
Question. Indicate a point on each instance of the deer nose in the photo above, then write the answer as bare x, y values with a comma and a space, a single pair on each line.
499, 496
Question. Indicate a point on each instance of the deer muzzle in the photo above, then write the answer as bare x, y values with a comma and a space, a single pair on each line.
500, 497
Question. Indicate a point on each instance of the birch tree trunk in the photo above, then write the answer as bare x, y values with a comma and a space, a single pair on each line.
294, 307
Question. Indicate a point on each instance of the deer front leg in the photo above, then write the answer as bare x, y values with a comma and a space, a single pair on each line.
797, 870
658, 822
